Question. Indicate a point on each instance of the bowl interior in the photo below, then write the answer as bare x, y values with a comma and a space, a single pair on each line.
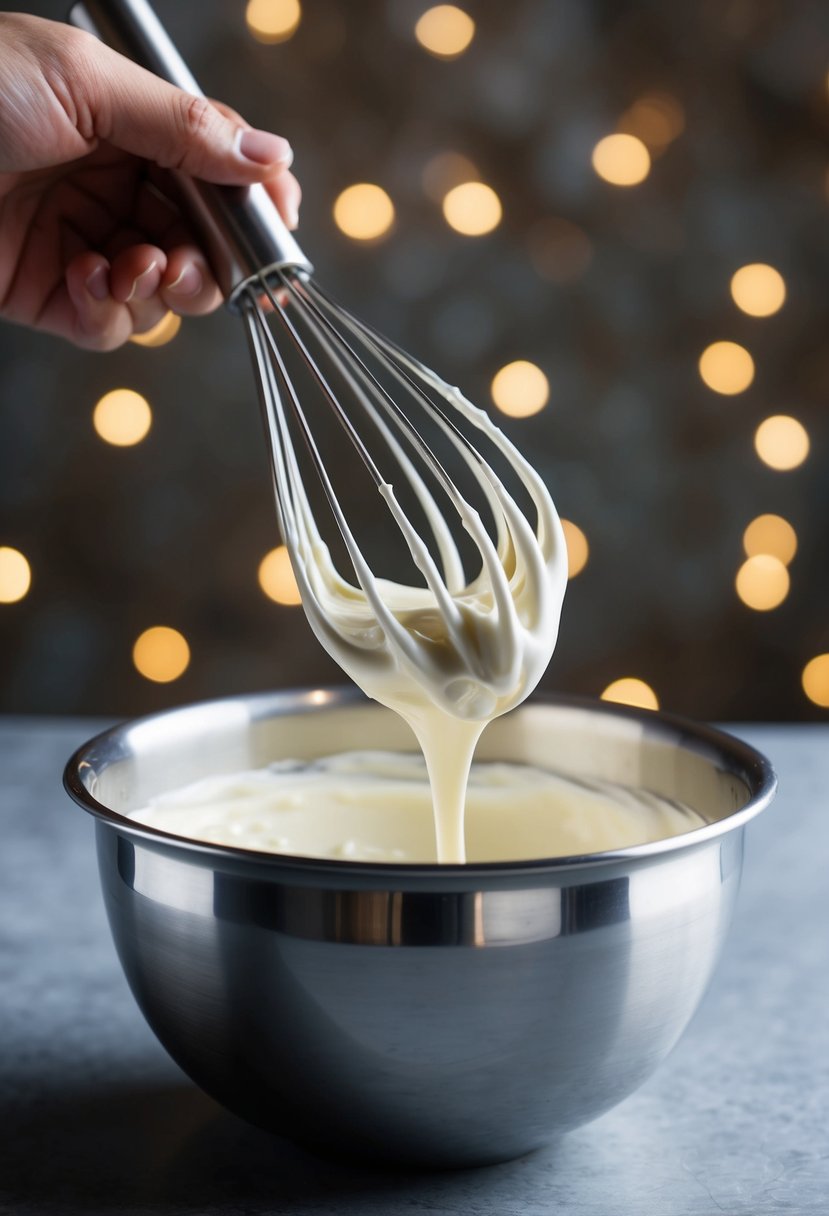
709, 772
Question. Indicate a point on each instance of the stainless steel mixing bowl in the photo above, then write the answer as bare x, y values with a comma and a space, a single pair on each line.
437, 1015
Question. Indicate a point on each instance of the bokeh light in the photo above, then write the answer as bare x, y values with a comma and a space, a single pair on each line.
578, 549
364, 212
15, 575
472, 208
161, 654
273, 21
520, 389
815, 680
276, 577
122, 417
161, 333
622, 160
630, 690
758, 289
445, 31
782, 442
726, 367
762, 582
657, 119
773, 535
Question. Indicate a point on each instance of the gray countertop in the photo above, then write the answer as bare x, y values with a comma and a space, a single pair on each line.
95, 1119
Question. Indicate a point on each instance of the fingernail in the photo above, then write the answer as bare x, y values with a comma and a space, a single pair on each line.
293, 216
137, 281
188, 282
263, 148
97, 284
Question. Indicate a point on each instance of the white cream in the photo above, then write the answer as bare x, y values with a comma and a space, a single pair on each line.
452, 656
376, 806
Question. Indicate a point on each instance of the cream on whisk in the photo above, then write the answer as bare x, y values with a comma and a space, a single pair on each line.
453, 655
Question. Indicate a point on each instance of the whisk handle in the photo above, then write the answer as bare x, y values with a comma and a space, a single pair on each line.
242, 231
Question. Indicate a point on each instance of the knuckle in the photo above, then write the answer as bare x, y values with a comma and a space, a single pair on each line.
197, 118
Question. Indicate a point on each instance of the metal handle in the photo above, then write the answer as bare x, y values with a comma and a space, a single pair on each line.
242, 231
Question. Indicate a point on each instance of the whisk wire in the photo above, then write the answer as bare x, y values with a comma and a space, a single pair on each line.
292, 486
388, 354
453, 572
313, 366
272, 413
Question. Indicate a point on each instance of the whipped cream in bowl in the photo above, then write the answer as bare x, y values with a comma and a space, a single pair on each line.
377, 807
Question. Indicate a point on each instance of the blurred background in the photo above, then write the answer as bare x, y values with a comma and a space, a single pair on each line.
605, 221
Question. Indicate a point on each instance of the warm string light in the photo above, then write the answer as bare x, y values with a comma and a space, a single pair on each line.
630, 690
272, 21
782, 442
445, 31
472, 208
726, 368
520, 389
161, 654
758, 290
364, 212
15, 575
762, 582
578, 549
122, 417
621, 160
815, 680
276, 577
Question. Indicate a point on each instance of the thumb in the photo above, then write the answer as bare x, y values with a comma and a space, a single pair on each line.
138, 112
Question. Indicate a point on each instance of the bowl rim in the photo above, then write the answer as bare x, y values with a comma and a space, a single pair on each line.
734, 755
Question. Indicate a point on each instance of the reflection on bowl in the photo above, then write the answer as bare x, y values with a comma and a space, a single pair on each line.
449, 1015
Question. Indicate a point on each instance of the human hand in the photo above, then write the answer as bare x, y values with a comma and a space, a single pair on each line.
92, 245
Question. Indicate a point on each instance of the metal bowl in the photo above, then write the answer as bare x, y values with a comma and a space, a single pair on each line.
440, 1015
